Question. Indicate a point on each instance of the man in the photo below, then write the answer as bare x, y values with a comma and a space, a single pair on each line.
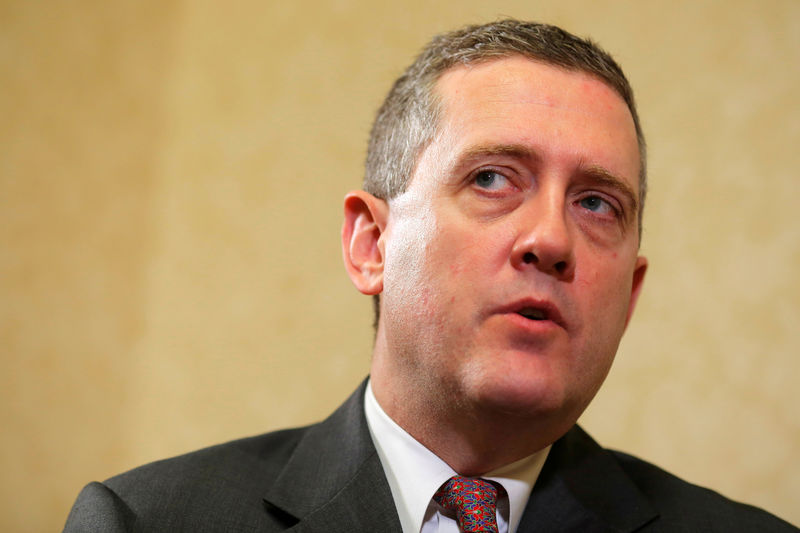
500, 227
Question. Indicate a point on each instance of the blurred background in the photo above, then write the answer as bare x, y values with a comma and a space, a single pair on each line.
171, 177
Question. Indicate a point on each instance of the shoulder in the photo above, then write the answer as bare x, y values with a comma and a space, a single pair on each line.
683, 506
216, 488
223, 487
242, 462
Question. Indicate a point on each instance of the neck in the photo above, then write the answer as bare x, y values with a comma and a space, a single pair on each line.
472, 440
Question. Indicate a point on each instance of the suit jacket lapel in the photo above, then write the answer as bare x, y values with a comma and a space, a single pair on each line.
334, 480
361, 505
334, 483
583, 488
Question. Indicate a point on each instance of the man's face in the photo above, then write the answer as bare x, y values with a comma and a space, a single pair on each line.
510, 262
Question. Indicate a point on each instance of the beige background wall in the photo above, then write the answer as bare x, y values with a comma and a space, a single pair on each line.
171, 176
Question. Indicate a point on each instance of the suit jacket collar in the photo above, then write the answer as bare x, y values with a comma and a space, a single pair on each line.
582, 487
334, 483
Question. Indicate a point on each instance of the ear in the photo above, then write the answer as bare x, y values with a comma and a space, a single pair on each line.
362, 247
636, 287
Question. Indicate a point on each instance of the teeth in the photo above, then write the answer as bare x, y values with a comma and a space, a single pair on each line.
533, 314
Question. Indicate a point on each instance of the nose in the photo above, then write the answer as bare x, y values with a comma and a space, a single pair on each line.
544, 242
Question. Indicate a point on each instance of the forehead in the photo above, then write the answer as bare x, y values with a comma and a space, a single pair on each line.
566, 115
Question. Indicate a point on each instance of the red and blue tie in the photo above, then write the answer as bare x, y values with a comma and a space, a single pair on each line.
474, 501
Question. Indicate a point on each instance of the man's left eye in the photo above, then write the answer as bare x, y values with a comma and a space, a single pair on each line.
597, 205
491, 180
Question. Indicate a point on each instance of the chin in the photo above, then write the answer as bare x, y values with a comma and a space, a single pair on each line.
535, 413
526, 396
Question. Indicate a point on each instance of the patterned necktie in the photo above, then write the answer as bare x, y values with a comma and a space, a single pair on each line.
474, 500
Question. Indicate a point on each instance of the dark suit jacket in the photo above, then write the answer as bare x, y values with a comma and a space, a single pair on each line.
327, 478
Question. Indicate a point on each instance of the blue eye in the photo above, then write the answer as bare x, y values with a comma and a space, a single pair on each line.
489, 179
596, 204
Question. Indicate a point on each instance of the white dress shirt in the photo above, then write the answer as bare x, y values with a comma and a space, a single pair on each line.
415, 473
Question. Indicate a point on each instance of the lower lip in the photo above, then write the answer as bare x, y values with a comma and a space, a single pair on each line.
534, 326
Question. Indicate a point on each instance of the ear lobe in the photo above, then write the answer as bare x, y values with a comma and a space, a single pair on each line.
636, 287
362, 247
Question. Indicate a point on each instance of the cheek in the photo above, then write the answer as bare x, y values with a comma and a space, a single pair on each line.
406, 243
603, 298
411, 266
604, 289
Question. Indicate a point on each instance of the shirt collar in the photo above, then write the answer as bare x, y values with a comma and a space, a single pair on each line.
415, 473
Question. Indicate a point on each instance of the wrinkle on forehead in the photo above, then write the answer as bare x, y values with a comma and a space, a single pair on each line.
493, 101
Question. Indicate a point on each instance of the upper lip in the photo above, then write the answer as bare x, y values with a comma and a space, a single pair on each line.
548, 309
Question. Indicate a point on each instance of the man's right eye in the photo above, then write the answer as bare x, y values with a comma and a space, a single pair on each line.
490, 180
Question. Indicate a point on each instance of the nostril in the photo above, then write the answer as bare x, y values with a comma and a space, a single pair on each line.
528, 258
560, 267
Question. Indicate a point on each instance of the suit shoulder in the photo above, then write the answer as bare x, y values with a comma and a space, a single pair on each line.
236, 460
216, 488
98, 509
685, 506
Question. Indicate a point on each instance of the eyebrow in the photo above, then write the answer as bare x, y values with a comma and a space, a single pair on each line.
516, 151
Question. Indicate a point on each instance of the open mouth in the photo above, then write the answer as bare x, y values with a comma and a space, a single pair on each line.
533, 313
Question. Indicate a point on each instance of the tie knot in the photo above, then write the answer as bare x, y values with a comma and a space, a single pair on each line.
474, 501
